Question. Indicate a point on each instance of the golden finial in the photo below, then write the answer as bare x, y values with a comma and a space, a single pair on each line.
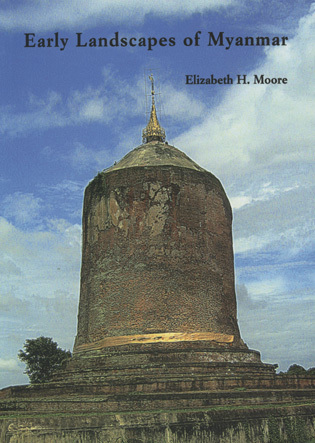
153, 130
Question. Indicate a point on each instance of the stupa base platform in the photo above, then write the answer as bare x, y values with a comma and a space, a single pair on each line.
37, 415
158, 393
154, 364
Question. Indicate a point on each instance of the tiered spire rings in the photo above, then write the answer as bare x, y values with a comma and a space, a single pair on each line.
153, 130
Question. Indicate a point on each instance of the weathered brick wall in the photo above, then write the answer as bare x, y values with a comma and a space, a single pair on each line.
157, 255
222, 425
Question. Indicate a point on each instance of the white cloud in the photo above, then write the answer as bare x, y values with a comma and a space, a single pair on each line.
282, 221
23, 208
245, 301
70, 192
267, 287
111, 101
83, 158
287, 245
8, 267
240, 201
47, 112
258, 126
40, 294
9, 365
252, 243
281, 329
68, 187
40, 116
176, 104
93, 109
282, 332
68, 15
46, 258
91, 104
265, 192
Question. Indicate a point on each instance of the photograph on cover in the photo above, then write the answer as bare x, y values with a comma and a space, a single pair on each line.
232, 82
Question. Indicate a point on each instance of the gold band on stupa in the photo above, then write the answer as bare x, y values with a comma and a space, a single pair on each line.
169, 337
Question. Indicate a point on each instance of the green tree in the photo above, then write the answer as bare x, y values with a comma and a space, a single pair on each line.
296, 370
42, 357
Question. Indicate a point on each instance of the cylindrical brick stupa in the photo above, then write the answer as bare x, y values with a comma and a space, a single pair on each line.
157, 260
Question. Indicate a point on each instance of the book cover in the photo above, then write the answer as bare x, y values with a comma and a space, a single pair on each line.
235, 91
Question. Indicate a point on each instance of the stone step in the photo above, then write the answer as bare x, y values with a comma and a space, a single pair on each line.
77, 403
123, 386
170, 370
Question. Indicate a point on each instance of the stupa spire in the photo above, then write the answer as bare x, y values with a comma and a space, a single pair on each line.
153, 130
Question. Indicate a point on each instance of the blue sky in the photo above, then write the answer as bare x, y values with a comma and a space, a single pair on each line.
65, 115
